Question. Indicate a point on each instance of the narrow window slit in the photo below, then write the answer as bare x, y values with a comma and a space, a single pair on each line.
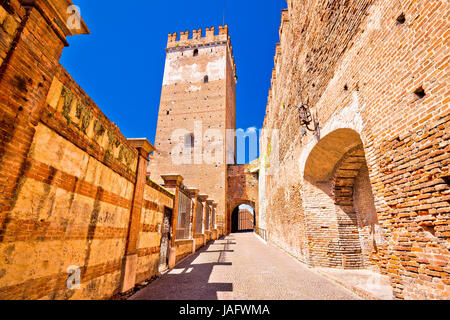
446, 180
401, 19
420, 92
429, 229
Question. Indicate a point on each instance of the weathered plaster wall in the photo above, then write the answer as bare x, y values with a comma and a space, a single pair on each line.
72, 205
71, 208
184, 249
156, 198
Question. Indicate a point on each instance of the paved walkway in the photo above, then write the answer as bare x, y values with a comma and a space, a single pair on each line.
369, 284
242, 267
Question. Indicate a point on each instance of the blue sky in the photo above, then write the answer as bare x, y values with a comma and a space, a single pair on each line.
120, 64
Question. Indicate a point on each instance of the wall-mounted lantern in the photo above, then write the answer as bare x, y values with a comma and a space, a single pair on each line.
306, 118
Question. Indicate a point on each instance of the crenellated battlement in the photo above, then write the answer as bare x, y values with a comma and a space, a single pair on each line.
276, 59
197, 38
277, 53
284, 21
284, 16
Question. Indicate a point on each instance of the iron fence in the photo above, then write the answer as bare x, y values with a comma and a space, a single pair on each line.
207, 219
199, 218
213, 219
184, 216
262, 233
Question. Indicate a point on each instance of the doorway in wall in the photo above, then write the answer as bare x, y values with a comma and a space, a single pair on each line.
165, 239
243, 219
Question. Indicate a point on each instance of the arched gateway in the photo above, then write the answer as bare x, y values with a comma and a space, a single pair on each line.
242, 183
243, 217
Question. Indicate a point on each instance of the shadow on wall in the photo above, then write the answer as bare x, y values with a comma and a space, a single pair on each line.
194, 275
339, 202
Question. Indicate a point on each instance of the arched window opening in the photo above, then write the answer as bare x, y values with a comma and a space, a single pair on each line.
206, 79
195, 52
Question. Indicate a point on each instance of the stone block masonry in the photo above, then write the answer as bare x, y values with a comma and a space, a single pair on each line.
369, 188
156, 199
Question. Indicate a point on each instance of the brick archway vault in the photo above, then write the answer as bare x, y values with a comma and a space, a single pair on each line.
338, 202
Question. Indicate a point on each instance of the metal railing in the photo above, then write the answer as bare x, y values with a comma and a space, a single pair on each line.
213, 219
184, 215
199, 218
208, 219
263, 233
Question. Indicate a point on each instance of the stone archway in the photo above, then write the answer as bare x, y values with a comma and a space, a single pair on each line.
234, 205
338, 203
242, 188
235, 216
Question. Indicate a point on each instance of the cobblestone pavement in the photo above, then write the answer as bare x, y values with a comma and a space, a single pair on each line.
242, 267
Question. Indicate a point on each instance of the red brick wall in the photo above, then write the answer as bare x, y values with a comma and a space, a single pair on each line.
242, 186
187, 100
357, 67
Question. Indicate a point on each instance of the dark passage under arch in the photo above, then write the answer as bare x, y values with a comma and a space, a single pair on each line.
243, 219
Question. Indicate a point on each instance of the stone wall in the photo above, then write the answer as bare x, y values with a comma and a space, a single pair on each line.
72, 187
70, 210
9, 23
208, 237
184, 249
201, 107
156, 199
242, 188
378, 69
199, 241
72, 205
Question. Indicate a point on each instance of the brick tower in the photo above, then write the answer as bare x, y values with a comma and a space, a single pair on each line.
197, 114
